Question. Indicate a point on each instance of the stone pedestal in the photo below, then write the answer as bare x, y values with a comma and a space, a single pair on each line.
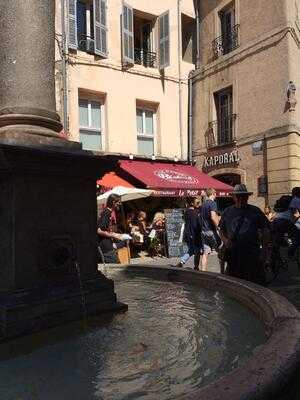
48, 267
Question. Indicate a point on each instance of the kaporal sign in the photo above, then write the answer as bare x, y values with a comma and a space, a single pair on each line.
221, 159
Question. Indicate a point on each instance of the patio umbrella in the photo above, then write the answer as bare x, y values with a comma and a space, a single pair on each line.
125, 193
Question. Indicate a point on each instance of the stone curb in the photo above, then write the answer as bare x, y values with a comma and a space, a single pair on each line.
269, 371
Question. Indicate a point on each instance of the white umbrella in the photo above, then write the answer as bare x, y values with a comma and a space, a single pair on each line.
125, 193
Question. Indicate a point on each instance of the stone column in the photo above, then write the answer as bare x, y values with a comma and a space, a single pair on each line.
27, 80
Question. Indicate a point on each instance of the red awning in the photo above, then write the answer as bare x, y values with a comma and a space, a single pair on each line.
173, 180
111, 180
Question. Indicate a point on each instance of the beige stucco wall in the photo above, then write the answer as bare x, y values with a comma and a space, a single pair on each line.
120, 88
258, 71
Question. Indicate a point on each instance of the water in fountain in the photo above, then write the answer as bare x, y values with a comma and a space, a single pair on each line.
174, 339
83, 301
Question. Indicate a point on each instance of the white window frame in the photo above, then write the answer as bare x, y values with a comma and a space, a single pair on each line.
145, 135
101, 132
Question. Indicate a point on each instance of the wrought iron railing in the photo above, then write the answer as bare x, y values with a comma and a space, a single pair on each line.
145, 58
226, 43
221, 132
86, 43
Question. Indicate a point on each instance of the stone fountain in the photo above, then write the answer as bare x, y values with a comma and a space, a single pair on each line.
48, 192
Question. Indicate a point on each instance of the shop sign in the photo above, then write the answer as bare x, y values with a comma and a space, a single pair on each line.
257, 147
173, 176
221, 159
183, 193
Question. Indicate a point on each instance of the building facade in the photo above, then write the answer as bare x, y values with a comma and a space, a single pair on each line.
246, 121
122, 74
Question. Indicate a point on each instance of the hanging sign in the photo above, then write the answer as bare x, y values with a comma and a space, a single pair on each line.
221, 159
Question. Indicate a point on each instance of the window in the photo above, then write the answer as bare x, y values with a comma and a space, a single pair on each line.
90, 132
138, 38
225, 117
227, 20
145, 120
229, 39
188, 39
88, 26
144, 49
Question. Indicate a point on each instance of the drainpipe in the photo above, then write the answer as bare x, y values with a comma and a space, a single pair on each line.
190, 118
190, 84
197, 13
179, 77
64, 68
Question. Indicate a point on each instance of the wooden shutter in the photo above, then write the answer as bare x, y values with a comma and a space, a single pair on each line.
100, 27
72, 11
127, 34
164, 40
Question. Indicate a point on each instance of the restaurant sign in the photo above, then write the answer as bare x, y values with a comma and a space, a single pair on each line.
183, 193
173, 176
221, 159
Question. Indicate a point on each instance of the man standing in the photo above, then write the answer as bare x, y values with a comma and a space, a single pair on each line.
210, 221
105, 230
243, 229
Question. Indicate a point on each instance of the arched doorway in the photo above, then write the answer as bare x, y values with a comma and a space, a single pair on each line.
230, 179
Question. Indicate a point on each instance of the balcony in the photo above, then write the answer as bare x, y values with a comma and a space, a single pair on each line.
226, 43
86, 43
221, 132
145, 58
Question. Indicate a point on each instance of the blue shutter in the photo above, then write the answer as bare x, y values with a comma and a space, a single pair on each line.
164, 40
72, 12
100, 27
127, 34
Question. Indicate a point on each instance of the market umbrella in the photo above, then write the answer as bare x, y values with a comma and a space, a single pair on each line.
125, 193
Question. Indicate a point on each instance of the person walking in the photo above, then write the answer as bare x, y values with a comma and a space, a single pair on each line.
243, 229
192, 233
210, 221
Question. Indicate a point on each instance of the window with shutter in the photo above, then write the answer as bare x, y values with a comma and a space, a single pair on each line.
100, 27
127, 34
164, 40
72, 4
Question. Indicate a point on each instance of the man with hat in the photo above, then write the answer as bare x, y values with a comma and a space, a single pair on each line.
243, 228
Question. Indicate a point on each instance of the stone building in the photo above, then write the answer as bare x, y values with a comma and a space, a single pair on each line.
246, 121
122, 74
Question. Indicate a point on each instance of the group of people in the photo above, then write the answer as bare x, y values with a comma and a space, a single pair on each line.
200, 232
243, 235
148, 236
137, 233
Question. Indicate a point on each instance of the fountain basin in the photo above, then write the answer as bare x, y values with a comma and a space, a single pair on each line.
271, 371
191, 331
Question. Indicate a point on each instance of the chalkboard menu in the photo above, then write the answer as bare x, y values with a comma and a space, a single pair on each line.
173, 228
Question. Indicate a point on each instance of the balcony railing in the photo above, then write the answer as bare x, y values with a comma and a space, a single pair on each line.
221, 132
86, 43
226, 43
145, 58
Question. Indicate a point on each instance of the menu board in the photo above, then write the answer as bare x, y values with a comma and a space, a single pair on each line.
174, 223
